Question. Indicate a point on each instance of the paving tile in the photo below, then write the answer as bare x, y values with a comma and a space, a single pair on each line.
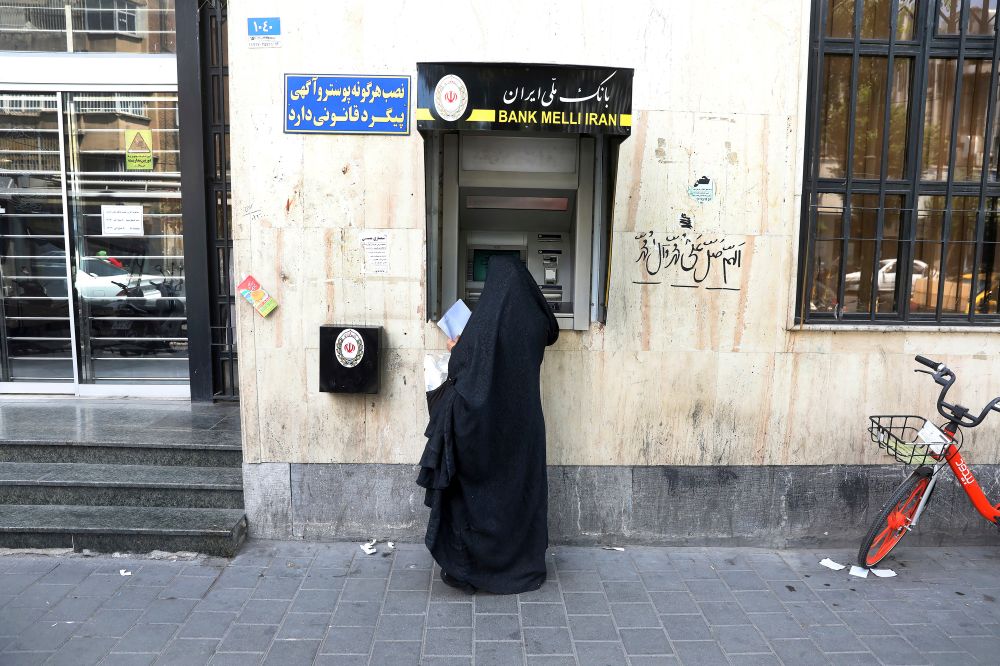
547, 640
400, 628
686, 627
861, 659
369, 567
497, 628
356, 614
448, 641
77, 651
323, 579
188, 652
798, 651
777, 625
757, 601
286, 652
582, 581
739, 639
499, 653
723, 612
132, 598
593, 653
304, 626
249, 638
74, 609
587, 603
395, 653
26, 658
207, 625
645, 641
543, 615
43, 635
225, 599
263, 611
891, 650
236, 658
129, 659
494, 603
348, 640
812, 614
635, 615
753, 660
315, 601
405, 602
173, 611
697, 653
146, 638
836, 639
865, 623
277, 588
592, 628
363, 589
709, 590
625, 591
674, 602
445, 661
111, 623
743, 580
454, 614
415, 579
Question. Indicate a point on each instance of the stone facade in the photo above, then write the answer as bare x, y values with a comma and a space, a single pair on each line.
677, 377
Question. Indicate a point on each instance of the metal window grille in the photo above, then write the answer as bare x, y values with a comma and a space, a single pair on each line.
131, 104
901, 194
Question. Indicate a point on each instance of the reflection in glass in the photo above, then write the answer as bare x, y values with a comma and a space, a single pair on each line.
118, 26
875, 19
825, 272
972, 110
906, 18
869, 118
949, 17
982, 17
834, 117
858, 267
840, 18
927, 255
940, 106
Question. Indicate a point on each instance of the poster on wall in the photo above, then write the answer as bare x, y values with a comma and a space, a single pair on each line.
516, 97
347, 104
376, 248
138, 150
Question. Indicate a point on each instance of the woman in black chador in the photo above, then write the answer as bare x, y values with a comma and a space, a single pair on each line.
484, 463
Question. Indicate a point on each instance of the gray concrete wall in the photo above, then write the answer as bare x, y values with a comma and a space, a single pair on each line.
774, 506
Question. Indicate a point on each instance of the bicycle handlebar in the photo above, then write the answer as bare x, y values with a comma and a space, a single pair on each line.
945, 377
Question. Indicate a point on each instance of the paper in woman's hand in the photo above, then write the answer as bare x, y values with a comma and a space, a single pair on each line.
454, 320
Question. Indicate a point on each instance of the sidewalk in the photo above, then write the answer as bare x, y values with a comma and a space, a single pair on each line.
292, 603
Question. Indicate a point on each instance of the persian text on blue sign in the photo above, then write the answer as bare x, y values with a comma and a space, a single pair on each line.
265, 26
349, 104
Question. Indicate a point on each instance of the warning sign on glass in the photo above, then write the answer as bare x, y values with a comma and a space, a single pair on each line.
138, 150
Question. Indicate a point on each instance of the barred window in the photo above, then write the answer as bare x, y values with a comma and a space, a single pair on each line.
130, 104
901, 194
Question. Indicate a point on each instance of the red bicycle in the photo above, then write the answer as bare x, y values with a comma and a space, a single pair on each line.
913, 440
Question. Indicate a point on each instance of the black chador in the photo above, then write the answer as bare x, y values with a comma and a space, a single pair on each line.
484, 463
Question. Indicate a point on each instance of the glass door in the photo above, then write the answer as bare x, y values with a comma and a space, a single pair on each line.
36, 336
124, 192
92, 284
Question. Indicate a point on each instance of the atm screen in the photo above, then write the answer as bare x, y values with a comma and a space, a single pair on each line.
481, 259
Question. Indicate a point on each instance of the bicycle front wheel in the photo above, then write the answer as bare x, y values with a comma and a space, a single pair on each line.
890, 526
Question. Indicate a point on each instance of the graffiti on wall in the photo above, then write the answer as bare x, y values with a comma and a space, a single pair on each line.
690, 260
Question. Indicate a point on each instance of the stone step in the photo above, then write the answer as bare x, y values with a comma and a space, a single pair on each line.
123, 528
225, 451
121, 485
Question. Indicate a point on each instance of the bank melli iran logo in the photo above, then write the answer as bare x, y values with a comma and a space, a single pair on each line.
350, 348
450, 97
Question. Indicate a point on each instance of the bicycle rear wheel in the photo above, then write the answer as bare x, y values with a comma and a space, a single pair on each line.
890, 526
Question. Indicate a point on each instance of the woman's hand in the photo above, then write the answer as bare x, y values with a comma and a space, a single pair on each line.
452, 343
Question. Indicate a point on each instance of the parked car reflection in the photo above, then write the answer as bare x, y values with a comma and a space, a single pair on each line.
887, 275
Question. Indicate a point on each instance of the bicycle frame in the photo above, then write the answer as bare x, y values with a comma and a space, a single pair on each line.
965, 478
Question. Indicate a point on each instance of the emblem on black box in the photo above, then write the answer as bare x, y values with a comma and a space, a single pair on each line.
350, 348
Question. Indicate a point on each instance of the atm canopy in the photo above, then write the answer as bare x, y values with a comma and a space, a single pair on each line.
524, 97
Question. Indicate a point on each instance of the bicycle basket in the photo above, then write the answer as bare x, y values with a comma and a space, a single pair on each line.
901, 438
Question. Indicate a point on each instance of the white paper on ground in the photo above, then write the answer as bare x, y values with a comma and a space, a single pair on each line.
618, 548
859, 571
883, 573
830, 564
369, 547
454, 320
124, 572
435, 369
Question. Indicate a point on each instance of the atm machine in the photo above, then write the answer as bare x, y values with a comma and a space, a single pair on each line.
528, 197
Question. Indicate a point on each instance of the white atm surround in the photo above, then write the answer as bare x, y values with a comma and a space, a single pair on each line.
520, 166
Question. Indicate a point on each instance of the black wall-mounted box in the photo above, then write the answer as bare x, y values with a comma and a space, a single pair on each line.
349, 359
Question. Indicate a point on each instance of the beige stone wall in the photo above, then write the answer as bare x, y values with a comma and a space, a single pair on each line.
677, 376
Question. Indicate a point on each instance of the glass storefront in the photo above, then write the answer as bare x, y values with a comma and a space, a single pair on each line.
91, 246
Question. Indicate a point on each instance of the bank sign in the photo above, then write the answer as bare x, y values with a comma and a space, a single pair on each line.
516, 97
